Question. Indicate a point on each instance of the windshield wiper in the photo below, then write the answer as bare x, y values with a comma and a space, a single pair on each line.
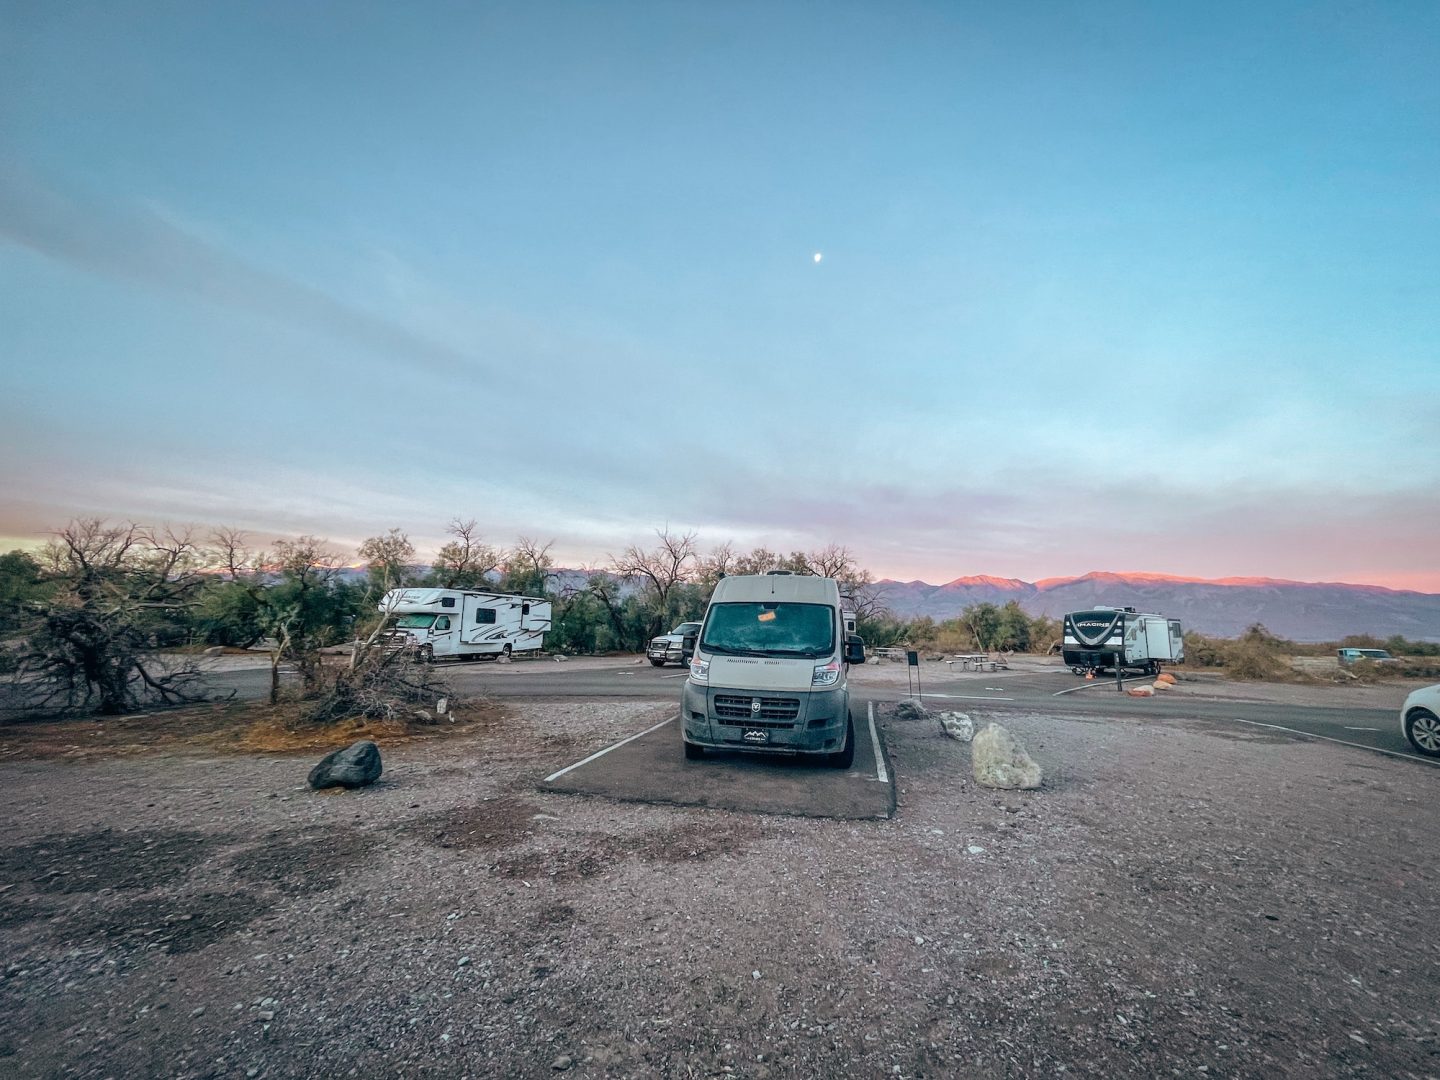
727, 651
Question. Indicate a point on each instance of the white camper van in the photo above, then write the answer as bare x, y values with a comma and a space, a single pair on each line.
770, 670
463, 623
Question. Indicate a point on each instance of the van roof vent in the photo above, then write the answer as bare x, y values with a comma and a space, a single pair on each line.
779, 573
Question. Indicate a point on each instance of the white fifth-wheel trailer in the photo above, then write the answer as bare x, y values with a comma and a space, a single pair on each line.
464, 623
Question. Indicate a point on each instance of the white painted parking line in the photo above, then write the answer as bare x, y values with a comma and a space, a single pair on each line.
1091, 685
677, 675
602, 753
966, 697
881, 773
1342, 742
1349, 728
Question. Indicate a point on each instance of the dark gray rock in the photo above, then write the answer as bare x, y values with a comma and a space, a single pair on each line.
910, 709
355, 766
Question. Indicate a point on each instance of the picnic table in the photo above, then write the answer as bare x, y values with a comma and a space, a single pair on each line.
977, 661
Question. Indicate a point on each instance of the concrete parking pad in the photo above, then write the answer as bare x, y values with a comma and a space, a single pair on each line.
651, 768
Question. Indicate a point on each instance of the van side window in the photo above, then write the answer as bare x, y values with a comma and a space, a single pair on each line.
485, 615
447, 601
524, 609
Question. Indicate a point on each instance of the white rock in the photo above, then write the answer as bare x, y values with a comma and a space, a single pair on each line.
1001, 762
957, 725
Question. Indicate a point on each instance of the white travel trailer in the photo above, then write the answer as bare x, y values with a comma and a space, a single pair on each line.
464, 623
1121, 638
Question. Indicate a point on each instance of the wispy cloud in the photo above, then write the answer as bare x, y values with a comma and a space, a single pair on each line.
132, 243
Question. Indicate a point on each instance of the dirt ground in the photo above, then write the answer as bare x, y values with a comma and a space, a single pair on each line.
1178, 899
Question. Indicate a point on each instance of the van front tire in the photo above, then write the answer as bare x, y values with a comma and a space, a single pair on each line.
845, 758
693, 752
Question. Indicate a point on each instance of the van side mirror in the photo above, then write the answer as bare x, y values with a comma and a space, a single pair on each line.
854, 649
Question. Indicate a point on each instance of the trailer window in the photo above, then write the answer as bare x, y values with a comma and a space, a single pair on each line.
447, 601
771, 629
484, 615
415, 622
524, 609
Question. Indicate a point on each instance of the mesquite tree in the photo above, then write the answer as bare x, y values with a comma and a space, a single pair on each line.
117, 595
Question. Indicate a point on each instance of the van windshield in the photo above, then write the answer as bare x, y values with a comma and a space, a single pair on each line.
770, 630
415, 622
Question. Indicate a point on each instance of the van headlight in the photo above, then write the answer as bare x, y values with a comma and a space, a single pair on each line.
826, 674
699, 669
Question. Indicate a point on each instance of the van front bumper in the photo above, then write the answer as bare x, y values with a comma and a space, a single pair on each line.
766, 721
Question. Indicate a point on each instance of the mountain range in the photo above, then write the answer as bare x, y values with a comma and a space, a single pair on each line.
1224, 607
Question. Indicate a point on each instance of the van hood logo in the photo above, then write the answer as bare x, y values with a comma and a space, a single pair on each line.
755, 706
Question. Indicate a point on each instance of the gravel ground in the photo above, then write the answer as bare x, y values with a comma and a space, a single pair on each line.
1177, 899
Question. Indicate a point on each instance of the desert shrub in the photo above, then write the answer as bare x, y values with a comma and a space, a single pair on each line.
382, 684
1251, 660
953, 636
1257, 654
1205, 651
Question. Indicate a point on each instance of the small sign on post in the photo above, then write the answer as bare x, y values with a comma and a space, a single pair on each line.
912, 661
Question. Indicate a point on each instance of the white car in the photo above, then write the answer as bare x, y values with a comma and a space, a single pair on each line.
1420, 720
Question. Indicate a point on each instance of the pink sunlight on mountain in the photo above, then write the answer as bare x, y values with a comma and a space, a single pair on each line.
1422, 583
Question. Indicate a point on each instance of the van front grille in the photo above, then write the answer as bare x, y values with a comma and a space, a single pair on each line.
729, 706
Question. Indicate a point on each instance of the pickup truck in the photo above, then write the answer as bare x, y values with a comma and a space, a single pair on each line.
670, 648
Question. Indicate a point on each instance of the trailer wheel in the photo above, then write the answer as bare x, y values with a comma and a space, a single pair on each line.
505, 652
426, 654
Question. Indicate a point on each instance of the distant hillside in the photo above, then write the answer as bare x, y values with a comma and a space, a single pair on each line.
1299, 610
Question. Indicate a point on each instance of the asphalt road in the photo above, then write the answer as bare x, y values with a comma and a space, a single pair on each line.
1051, 691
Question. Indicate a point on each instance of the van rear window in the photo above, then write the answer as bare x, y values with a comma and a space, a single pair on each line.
770, 629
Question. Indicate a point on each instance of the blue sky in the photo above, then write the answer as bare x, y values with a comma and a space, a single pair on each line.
1133, 287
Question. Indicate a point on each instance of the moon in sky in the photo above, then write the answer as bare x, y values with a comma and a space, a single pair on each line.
817, 256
